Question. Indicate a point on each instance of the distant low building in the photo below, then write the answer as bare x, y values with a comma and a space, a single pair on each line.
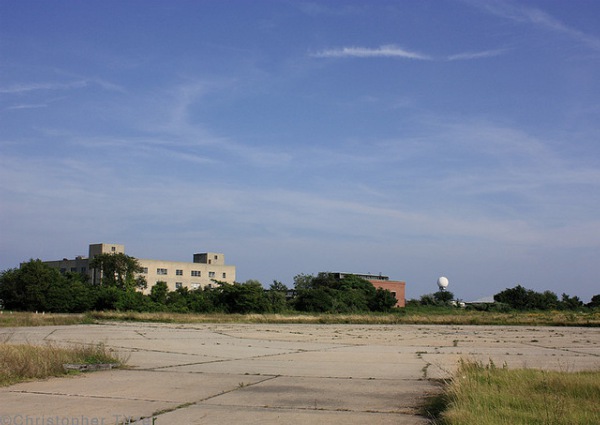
205, 268
485, 300
484, 303
396, 287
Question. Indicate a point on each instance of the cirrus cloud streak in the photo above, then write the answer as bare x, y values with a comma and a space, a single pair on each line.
387, 51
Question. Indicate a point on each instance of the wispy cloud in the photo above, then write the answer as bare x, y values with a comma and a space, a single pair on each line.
392, 51
29, 87
28, 106
387, 51
477, 55
163, 124
50, 86
537, 17
320, 8
283, 211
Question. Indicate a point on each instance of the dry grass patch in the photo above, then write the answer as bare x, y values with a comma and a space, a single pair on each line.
23, 362
165, 317
15, 319
408, 316
401, 317
487, 395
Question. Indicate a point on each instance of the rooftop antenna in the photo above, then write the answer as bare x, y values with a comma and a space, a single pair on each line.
442, 283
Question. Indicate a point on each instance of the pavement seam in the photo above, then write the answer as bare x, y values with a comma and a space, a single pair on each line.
404, 411
49, 335
568, 350
262, 356
89, 396
199, 402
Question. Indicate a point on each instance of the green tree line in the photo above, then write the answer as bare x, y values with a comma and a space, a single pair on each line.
36, 286
517, 298
520, 298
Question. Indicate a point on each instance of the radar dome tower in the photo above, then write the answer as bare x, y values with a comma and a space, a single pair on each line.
442, 283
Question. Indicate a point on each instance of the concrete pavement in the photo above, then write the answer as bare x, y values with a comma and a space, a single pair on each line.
275, 374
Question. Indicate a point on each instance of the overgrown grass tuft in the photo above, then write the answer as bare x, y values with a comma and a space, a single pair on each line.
488, 395
15, 319
407, 316
433, 316
23, 362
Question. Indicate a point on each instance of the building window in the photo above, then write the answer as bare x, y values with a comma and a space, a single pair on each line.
216, 257
224, 275
178, 285
211, 274
195, 286
73, 269
113, 249
83, 270
145, 270
196, 273
179, 272
161, 271
63, 270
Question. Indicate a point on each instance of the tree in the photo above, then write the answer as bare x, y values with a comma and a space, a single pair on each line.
119, 270
107, 297
439, 298
70, 294
427, 299
357, 294
383, 300
276, 295
547, 300
516, 297
443, 297
243, 298
38, 287
326, 292
200, 300
570, 303
278, 286
159, 292
594, 302
26, 288
303, 282
318, 300
178, 300
520, 298
12, 293
133, 301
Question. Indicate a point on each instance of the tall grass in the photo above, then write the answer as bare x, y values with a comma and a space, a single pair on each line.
488, 395
16, 318
403, 316
22, 362
410, 315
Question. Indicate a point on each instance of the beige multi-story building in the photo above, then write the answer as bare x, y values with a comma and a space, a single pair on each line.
203, 271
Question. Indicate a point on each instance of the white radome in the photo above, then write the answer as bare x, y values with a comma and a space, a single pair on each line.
442, 282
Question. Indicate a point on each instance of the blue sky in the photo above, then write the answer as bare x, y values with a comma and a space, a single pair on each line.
409, 138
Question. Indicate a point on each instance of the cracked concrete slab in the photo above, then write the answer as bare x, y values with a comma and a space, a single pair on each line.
331, 394
219, 415
275, 374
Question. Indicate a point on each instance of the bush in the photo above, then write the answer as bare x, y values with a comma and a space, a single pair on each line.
520, 298
327, 294
38, 287
242, 298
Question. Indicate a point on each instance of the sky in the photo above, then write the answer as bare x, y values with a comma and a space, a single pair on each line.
415, 139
